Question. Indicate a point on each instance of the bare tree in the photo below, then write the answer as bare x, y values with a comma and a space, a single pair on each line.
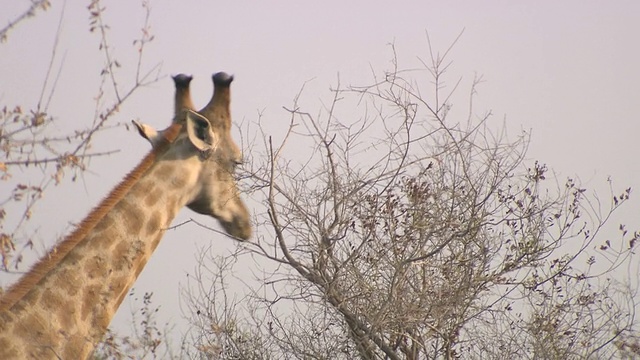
408, 229
215, 316
148, 340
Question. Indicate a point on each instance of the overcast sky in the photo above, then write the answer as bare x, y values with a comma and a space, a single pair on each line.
566, 70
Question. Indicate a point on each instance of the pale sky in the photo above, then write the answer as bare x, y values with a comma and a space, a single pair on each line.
568, 70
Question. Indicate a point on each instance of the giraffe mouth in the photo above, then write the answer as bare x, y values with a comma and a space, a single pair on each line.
239, 228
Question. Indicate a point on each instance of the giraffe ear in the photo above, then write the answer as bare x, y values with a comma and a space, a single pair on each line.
147, 132
199, 131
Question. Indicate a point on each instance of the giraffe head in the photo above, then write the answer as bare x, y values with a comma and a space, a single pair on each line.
63, 305
205, 138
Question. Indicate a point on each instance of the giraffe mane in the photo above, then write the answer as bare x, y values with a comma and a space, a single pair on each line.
60, 250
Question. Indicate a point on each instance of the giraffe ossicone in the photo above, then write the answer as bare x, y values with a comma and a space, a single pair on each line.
62, 307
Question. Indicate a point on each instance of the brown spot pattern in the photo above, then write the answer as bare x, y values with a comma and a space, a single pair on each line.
105, 223
163, 171
67, 315
132, 217
91, 301
156, 241
68, 282
153, 225
140, 263
31, 327
171, 207
75, 348
121, 256
152, 197
51, 300
96, 267
141, 189
120, 292
7, 350
31, 298
179, 181
104, 239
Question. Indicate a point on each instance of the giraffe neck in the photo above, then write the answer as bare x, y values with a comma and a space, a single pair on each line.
48, 262
67, 312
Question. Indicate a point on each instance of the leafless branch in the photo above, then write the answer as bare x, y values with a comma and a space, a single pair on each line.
29, 13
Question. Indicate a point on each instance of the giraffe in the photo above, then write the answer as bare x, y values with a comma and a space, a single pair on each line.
62, 307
